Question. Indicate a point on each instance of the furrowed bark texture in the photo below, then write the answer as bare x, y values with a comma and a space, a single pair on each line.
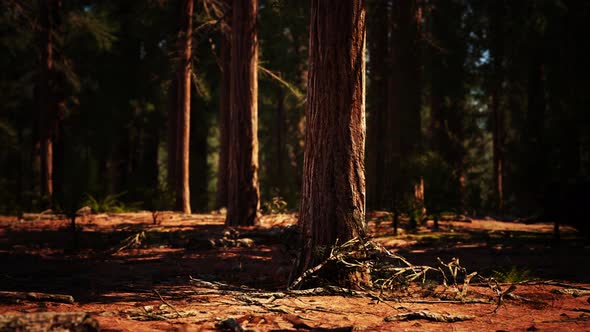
243, 192
184, 104
333, 194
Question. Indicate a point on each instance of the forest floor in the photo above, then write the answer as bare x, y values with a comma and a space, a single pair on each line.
188, 273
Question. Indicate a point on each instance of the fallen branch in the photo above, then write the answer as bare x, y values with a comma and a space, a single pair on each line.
166, 303
467, 301
575, 292
48, 321
434, 317
553, 283
132, 241
40, 297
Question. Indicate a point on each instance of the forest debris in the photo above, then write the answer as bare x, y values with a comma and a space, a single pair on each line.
49, 321
465, 301
149, 313
229, 325
33, 296
553, 283
431, 316
166, 303
575, 292
582, 318
129, 242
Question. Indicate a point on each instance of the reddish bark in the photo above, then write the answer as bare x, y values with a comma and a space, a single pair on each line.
333, 194
243, 193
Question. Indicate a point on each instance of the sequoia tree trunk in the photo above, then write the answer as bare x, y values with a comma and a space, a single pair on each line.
183, 201
333, 195
243, 194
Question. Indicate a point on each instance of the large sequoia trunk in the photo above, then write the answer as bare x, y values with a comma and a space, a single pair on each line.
243, 193
333, 195
184, 108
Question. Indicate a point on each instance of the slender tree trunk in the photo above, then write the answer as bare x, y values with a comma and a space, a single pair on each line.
497, 52
333, 197
377, 42
223, 117
277, 168
172, 134
243, 192
184, 107
46, 99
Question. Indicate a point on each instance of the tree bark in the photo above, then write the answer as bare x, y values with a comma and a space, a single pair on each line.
497, 53
184, 107
224, 114
333, 195
47, 105
243, 192
172, 134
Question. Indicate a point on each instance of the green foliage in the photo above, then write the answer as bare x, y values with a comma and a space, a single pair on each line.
110, 204
512, 275
276, 205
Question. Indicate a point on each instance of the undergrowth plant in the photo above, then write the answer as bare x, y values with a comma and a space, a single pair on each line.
110, 203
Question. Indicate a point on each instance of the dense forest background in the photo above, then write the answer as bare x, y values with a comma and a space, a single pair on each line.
473, 106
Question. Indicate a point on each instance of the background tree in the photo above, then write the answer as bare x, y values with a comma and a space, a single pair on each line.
184, 107
243, 193
333, 194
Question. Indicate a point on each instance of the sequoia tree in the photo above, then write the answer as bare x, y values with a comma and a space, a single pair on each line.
243, 193
332, 206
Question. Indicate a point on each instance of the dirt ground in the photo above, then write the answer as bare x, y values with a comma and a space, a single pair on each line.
188, 273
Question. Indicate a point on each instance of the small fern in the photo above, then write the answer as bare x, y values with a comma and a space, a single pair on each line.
513, 275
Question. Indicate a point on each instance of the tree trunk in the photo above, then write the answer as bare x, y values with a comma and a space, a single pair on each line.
243, 193
377, 42
223, 117
47, 107
183, 201
497, 53
333, 195
172, 133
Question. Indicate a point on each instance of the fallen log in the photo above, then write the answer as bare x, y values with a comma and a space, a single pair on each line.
49, 321
431, 316
39, 297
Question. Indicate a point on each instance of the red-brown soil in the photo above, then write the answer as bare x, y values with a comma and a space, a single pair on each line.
120, 288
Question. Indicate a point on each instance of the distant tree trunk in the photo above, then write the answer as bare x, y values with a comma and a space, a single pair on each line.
277, 166
377, 42
406, 38
333, 196
497, 52
172, 133
47, 104
406, 60
243, 192
224, 113
183, 201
